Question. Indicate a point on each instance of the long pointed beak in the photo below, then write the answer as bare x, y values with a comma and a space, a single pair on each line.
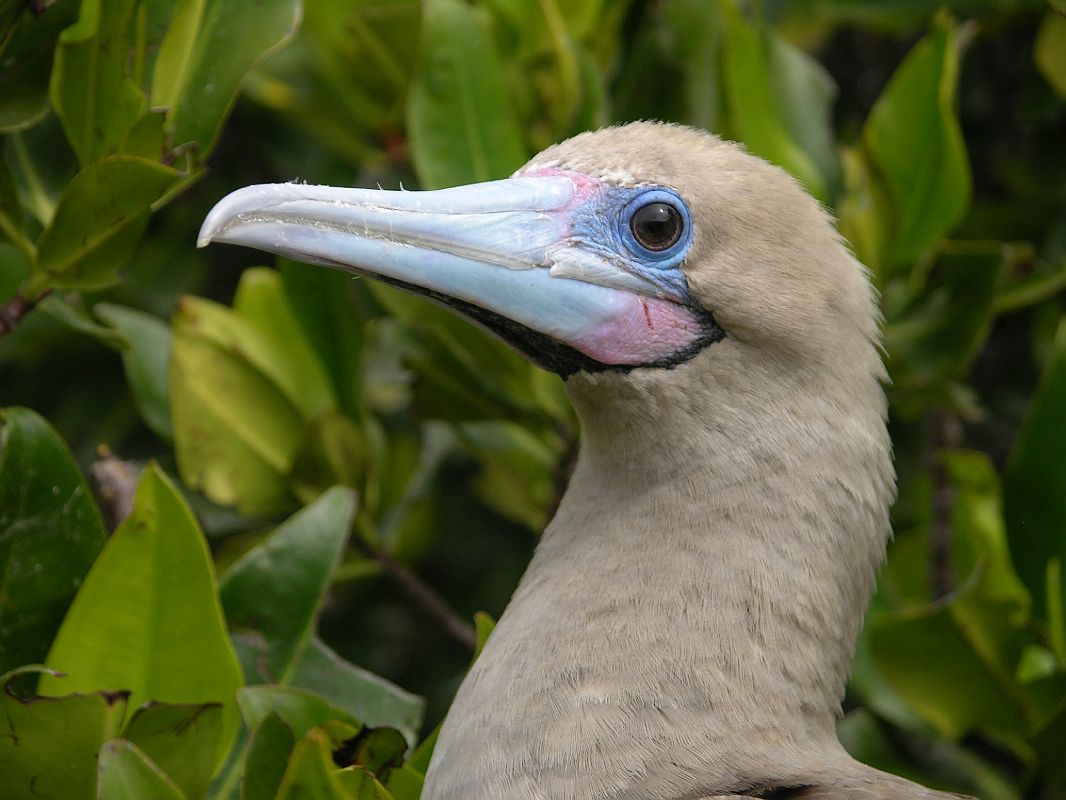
498, 246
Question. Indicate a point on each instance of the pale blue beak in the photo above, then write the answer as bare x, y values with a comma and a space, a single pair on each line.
540, 250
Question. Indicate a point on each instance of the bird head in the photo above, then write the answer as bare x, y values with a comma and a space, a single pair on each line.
627, 250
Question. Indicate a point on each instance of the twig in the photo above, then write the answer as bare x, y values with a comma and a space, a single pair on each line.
12, 312
422, 595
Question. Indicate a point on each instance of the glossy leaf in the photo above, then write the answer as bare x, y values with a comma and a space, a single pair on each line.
1050, 49
235, 433
145, 362
779, 100
462, 125
157, 562
914, 138
50, 744
269, 747
300, 709
181, 740
943, 668
26, 64
311, 772
91, 91
50, 534
939, 337
70, 310
272, 339
126, 773
362, 784
366, 696
208, 49
277, 588
98, 222
1034, 483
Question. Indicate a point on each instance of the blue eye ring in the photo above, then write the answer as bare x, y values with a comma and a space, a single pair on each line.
666, 222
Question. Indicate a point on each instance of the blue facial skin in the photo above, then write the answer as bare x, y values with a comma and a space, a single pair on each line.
602, 226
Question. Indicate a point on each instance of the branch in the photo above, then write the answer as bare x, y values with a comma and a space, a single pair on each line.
12, 312
424, 597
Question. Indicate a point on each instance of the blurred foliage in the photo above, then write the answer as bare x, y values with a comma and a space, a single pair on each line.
937, 137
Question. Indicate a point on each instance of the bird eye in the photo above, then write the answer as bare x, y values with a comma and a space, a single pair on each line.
657, 226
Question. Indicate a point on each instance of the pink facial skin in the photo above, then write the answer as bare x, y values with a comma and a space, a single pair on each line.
644, 330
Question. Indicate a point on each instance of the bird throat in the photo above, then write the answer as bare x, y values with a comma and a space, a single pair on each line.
689, 617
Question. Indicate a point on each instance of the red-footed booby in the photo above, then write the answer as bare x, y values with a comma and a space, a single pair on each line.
687, 623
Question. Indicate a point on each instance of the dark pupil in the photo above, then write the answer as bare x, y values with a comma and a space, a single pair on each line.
656, 225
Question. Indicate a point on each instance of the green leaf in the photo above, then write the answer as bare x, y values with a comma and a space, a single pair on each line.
279, 347
1050, 49
378, 750
126, 773
166, 640
145, 362
50, 534
202, 61
26, 65
235, 432
70, 310
311, 774
939, 338
272, 597
182, 740
779, 101
865, 210
266, 757
277, 588
913, 136
364, 695
331, 453
98, 222
980, 535
91, 91
50, 745
941, 664
1034, 483
300, 709
462, 125
362, 784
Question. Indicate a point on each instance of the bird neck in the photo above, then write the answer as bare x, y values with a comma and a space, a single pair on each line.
727, 526
688, 618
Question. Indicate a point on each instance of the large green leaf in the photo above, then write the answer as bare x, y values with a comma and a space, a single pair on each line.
98, 222
91, 91
272, 598
1050, 48
166, 639
50, 744
311, 774
127, 773
27, 64
1034, 482
300, 709
938, 337
914, 138
145, 362
275, 342
182, 740
269, 747
202, 61
235, 432
936, 659
461, 121
779, 100
50, 533
276, 590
